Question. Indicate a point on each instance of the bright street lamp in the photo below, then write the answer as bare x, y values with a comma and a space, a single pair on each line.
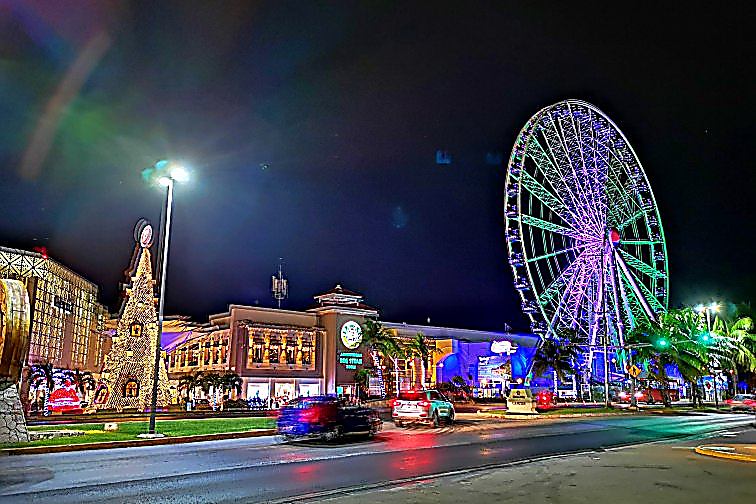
175, 173
708, 310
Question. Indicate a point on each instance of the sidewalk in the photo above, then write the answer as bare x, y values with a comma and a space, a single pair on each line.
671, 473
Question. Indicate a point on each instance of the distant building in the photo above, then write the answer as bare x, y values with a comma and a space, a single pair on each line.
286, 353
68, 322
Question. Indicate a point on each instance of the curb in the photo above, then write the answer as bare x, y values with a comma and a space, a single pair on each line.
712, 451
33, 450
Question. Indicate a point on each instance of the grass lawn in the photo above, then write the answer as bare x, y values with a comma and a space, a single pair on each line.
94, 432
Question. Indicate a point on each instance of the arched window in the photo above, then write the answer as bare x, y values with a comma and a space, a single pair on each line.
131, 388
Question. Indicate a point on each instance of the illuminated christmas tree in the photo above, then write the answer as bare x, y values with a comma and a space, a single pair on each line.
130, 364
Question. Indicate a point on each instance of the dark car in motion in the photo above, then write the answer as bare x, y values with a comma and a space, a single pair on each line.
326, 417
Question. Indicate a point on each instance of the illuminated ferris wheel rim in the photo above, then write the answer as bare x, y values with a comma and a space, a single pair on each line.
585, 191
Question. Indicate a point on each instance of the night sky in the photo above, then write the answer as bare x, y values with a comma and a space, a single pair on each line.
311, 131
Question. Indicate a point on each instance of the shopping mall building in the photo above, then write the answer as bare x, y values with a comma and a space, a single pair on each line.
285, 353
67, 326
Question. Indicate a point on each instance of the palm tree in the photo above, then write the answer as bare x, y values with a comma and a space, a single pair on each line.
390, 348
188, 382
209, 381
43, 375
737, 344
557, 355
232, 382
362, 380
674, 339
417, 348
380, 341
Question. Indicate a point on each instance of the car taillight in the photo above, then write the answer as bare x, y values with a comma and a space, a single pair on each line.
623, 395
310, 415
425, 404
392, 403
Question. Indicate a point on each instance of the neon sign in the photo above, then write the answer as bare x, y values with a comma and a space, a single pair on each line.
350, 360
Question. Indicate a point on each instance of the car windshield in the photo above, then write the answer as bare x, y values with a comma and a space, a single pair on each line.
742, 397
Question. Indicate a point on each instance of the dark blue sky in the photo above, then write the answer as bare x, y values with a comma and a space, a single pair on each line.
311, 129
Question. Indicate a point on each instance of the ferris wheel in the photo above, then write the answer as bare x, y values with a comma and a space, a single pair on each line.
583, 231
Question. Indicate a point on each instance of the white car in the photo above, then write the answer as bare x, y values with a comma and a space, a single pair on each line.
422, 406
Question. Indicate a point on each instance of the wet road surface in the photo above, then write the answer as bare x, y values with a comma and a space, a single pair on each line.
254, 470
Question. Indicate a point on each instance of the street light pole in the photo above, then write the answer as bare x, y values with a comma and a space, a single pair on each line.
713, 307
168, 181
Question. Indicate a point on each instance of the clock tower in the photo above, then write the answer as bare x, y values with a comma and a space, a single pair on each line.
342, 312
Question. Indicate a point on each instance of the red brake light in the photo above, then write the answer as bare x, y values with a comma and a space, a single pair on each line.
310, 415
392, 403
425, 404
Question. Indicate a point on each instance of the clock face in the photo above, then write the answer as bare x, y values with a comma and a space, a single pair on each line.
351, 334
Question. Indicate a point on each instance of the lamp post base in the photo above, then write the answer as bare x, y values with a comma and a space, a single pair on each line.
151, 436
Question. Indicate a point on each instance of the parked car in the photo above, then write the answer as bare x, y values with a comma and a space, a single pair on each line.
742, 402
421, 406
326, 417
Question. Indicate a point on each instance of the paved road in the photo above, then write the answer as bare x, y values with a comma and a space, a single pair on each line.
253, 470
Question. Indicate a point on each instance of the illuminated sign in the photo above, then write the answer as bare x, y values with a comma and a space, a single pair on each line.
503, 347
350, 360
351, 334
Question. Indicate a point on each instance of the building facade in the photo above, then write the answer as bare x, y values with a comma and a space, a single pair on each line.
67, 321
281, 354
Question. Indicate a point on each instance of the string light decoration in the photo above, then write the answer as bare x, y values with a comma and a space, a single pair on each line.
129, 366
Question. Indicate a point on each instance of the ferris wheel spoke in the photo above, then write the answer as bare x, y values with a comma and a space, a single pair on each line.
558, 252
559, 153
641, 266
558, 283
641, 242
576, 142
637, 215
625, 299
619, 201
550, 226
569, 291
547, 198
598, 172
547, 163
578, 292
548, 168
640, 290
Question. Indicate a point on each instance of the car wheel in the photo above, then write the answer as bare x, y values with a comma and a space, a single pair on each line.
333, 434
434, 420
450, 418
